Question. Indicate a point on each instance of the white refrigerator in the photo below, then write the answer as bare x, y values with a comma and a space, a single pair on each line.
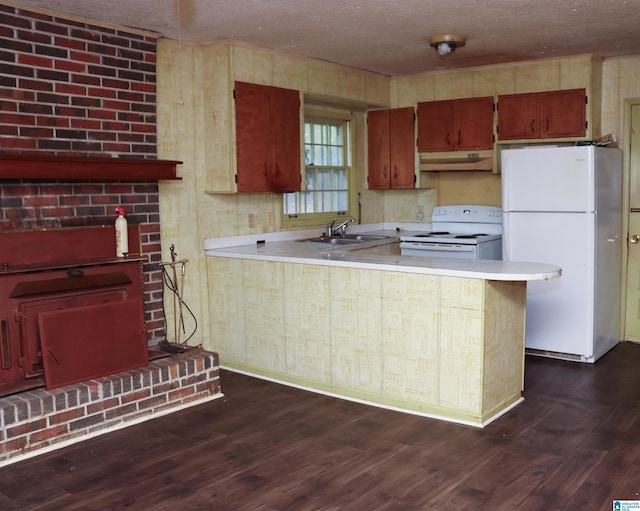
563, 205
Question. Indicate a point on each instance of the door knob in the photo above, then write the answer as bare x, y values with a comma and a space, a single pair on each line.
634, 238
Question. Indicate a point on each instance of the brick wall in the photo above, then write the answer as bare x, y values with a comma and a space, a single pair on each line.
73, 89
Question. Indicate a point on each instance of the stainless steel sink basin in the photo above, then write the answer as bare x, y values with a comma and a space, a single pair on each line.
366, 237
332, 240
345, 240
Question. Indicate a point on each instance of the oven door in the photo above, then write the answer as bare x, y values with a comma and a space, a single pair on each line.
450, 250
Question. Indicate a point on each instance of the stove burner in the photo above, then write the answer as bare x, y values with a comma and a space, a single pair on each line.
430, 234
470, 236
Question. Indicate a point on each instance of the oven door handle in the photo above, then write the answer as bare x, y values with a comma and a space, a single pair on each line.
441, 248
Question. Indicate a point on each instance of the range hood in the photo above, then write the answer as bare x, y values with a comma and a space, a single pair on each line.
456, 161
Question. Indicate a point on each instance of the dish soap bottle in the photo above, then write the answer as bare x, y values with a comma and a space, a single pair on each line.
122, 236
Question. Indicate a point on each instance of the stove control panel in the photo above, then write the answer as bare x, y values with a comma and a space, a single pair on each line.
467, 213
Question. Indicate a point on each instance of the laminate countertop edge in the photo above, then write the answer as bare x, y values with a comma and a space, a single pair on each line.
274, 248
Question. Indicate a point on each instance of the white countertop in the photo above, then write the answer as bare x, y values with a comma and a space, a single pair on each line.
282, 247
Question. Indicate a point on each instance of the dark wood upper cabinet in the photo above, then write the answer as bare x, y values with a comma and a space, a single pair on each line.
554, 114
455, 125
563, 113
267, 138
391, 149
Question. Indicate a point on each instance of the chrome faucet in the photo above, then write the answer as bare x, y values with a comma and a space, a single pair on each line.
340, 229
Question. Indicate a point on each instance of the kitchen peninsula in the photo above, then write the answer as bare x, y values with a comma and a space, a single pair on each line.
438, 337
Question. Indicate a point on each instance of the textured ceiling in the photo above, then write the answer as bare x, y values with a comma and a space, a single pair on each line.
384, 36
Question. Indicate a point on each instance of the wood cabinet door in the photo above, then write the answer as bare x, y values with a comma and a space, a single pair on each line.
518, 116
254, 153
563, 113
474, 124
402, 147
284, 171
378, 150
436, 126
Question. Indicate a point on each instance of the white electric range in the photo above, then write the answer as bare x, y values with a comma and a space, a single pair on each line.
459, 231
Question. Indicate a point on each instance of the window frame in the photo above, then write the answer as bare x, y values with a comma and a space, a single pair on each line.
320, 115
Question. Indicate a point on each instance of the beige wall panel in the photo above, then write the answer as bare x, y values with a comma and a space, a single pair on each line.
537, 76
484, 81
355, 321
264, 311
505, 80
227, 329
257, 213
378, 89
410, 90
504, 331
410, 333
469, 187
460, 370
621, 80
214, 130
177, 114
453, 85
290, 72
307, 324
252, 65
462, 293
404, 206
350, 85
575, 73
612, 106
327, 79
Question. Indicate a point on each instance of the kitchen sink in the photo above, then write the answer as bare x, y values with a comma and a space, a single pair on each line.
345, 240
332, 240
366, 237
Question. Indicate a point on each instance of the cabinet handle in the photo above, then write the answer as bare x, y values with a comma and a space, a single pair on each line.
384, 172
547, 128
277, 170
533, 125
446, 139
54, 356
459, 137
265, 169
4, 344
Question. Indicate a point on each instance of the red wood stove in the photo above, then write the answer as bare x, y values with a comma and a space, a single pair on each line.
70, 310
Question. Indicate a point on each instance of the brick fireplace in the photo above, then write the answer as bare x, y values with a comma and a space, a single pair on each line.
71, 89
83, 96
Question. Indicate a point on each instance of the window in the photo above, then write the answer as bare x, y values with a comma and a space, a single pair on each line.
327, 174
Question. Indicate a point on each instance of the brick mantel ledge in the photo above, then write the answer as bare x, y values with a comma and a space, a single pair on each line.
64, 168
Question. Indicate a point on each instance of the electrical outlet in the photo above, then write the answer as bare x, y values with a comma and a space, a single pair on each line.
251, 221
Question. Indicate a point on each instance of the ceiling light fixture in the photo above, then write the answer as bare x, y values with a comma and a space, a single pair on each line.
446, 43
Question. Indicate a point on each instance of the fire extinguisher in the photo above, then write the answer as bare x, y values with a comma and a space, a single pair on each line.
122, 236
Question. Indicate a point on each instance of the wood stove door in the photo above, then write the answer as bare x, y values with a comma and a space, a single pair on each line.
92, 341
32, 351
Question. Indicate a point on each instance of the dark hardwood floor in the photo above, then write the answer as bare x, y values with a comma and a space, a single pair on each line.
573, 444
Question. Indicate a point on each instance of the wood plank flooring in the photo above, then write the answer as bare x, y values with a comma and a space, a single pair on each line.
573, 444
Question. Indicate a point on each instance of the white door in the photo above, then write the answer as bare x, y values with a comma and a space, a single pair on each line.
632, 321
559, 311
